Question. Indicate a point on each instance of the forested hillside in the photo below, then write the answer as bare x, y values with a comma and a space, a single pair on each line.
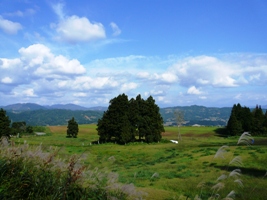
208, 116
55, 117
34, 114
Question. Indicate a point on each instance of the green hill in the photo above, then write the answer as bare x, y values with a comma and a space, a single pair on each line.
55, 117
207, 116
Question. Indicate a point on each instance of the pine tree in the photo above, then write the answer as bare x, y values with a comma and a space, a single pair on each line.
154, 121
234, 127
4, 124
257, 122
246, 119
115, 123
141, 121
265, 123
73, 128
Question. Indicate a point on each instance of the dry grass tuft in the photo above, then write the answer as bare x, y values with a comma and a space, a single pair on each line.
245, 138
221, 151
237, 161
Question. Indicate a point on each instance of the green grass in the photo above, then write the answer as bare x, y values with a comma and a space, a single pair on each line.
180, 167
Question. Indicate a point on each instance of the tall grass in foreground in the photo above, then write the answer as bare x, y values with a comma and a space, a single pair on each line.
27, 173
228, 180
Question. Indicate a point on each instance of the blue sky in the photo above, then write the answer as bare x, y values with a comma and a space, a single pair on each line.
211, 53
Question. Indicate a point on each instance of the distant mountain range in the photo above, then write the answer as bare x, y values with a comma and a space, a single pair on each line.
19, 107
59, 114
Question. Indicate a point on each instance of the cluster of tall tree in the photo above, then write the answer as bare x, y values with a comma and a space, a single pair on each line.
20, 128
5, 129
243, 119
125, 119
16, 127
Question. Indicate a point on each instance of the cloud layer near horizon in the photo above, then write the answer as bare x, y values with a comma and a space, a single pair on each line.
40, 74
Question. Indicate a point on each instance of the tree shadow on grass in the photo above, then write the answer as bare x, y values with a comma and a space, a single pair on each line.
245, 171
221, 132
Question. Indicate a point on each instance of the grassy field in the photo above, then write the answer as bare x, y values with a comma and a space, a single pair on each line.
166, 170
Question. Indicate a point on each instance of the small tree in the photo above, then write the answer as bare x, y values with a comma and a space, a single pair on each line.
179, 116
4, 124
73, 128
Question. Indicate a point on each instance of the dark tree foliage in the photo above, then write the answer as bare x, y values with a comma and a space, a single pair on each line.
4, 124
242, 119
234, 126
126, 119
258, 121
73, 128
20, 127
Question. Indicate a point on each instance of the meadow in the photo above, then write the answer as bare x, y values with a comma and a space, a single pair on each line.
165, 170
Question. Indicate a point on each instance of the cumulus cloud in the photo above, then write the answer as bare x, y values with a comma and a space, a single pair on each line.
38, 72
193, 90
29, 92
167, 77
207, 70
39, 57
128, 87
38, 62
75, 29
6, 80
8, 26
115, 28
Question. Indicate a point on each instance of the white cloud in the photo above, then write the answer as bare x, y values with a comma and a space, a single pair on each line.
193, 90
39, 57
157, 92
38, 72
143, 75
75, 29
86, 83
207, 70
115, 28
254, 77
80, 94
169, 77
8, 63
20, 13
58, 9
29, 92
128, 87
8, 26
35, 64
6, 80
203, 97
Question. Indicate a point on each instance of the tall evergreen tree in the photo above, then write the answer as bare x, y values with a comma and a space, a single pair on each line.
234, 126
154, 121
4, 124
103, 128
246, 119
257, 122
73, 128
243, 119
115, 122
265, 123
141, 121
18, 127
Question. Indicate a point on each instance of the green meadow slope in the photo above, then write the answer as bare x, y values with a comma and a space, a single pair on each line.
167, 170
